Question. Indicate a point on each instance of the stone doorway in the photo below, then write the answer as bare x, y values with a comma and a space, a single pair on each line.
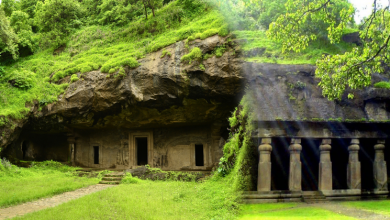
310, 159
366, 157
199, 155
96, 154
24, 150
142, 150
339, 156
280, 163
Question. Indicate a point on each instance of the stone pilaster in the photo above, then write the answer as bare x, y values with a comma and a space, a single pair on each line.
71, 141
295, 178
264, 173
380, 169
354, 178
325, 168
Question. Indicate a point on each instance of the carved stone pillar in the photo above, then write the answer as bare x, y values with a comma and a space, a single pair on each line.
264, 173
71, 141
325, 168
380, 169
354, 177
295, 178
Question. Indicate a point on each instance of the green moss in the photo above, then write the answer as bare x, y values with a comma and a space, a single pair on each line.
201, 66
74, 78
382, 85
195, 54
206, 56
165, 52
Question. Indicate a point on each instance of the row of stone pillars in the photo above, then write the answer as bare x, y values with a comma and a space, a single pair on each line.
325, 166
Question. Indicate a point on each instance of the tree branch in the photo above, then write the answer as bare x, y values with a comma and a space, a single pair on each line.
373, 57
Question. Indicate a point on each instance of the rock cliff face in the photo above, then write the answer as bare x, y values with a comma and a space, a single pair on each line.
162, 91
291, 93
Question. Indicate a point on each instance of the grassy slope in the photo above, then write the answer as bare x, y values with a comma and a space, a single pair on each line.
149, 200
26, 184
286, 211
94, 47
272, 51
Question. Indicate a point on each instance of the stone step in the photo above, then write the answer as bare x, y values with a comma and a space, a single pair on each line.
110, 182
114, 175
112, 178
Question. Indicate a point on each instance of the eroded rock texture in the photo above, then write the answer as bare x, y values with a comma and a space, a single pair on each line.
173, 101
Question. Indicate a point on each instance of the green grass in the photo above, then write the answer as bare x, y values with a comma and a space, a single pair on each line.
106, 47
149, 200
382, 85
381, 207
287, 211
20, 185
271, 52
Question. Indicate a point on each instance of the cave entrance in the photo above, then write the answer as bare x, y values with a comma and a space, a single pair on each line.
142, 150
199, 156
339, 156
280, 163
310, 159
24, 149
366, 157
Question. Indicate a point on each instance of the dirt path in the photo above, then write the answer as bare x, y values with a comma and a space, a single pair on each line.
40, 204
339, 208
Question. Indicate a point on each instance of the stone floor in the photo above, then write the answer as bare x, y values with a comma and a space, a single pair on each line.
40, 204
349, 211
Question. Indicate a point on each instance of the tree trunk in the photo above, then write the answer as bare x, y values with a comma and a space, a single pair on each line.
146, 12
153, 12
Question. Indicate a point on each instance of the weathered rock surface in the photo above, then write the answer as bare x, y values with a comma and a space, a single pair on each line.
162, 91
291, 93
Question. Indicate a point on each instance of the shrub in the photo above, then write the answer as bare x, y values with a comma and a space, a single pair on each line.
195, 54
190, 38
220, 51
112, 70
119, 61
382, 85
223, 31
74, 78
121, 73
22, 79
129, 179
197, 35
208, 33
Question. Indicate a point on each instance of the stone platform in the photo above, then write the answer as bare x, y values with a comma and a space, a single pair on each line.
254, 197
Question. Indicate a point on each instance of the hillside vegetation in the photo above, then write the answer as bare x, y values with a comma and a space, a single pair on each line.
108, 47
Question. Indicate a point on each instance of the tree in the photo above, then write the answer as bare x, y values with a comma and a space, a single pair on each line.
152, 4
20, 23
57, 18
118, 11
9, 6
351, 70
9, 40
28, 6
